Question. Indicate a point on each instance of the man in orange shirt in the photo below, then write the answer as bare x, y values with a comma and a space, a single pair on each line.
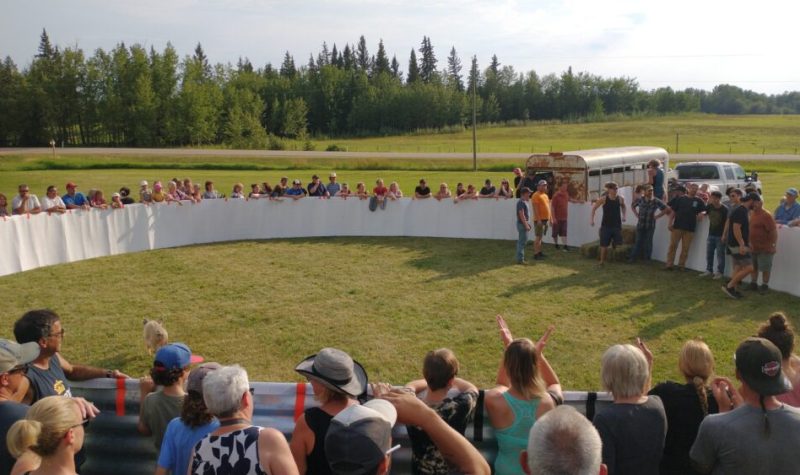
763, 240
541, 216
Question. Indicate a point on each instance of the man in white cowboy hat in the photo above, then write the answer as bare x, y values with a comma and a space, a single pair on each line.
13, 358
337, 381
332, 187
754, 432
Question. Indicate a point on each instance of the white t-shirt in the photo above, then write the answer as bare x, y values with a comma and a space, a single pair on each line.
33, 202
48, 203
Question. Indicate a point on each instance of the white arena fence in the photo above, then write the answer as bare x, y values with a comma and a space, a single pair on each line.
32, 241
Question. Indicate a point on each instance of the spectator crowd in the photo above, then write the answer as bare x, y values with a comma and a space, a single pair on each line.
199, 415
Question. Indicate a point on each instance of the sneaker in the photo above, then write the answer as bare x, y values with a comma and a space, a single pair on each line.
566, 248
732, 293
739, 295
557, 247
717, 275
522, 263
764, 288
705, 274
752, 286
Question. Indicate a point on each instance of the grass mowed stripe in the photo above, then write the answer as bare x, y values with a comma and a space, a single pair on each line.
268, 304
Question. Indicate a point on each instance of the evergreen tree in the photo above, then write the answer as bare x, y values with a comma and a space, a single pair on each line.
362, 56
427, 67
347, 60
396, 69
45, 50
474, 75
335, 57
202, 60
287, 67
413, 68
324, 57
454, 70
382, 61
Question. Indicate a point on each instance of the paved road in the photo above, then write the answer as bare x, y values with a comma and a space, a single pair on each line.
189, 152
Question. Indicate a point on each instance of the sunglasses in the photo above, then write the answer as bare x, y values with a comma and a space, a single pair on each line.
84, 423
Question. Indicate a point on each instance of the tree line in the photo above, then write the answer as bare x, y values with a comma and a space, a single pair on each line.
132, 96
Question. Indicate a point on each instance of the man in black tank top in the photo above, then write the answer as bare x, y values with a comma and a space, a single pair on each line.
613, 217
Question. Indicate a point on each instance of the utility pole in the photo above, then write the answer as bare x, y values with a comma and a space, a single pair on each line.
474, 125
677, 141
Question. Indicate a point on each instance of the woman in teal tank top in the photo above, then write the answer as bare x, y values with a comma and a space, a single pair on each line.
527, 387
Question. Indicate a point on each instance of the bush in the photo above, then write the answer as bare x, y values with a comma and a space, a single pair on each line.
275, 143
309, 146
335, 148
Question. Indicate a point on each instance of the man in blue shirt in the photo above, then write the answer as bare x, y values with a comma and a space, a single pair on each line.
296, 191
73, 199
332, 186
316, 188
523, 222
788, 212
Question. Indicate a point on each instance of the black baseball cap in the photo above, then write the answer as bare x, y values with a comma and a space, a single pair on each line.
758, 362
752, 196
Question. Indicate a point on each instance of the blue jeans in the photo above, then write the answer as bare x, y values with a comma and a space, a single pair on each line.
643, 244
521, 241
714, 244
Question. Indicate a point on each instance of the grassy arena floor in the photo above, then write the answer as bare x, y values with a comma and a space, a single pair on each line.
268, 304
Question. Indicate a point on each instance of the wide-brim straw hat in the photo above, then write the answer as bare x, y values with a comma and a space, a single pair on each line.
336, 370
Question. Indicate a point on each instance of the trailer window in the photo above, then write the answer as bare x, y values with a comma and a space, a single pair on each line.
698, 172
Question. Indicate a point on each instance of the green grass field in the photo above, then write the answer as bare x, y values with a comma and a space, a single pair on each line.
268, 304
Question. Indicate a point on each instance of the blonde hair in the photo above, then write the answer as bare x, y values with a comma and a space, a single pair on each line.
43, 427
327, 394
697, 364
519, 362
624, 371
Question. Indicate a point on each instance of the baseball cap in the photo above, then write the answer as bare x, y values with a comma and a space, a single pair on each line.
143, 183
792, 191
525, 189
13, 354
752, 196
115, 195
332, 175
314, 177
758, 361
360, 437
175, 355
541, 182
71, 184
198, 374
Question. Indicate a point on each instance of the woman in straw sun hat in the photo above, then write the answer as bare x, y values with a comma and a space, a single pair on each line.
337, 381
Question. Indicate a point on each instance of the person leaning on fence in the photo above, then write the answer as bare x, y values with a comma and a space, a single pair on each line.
686, 405
788, 212
540, 203
634, 427
754, 432
194, 423
125, 196
337, 380
394, 191
613, 216
52, 203
645, 210
48, 439
158, 195
738, 240
685, 211
488, 190
296, 191
158, 407
145, 194
527, 388
451, 397
73, 199
13, 358
238, 446
523, 223
332, 187
443, 193
563, 442
379, 195
3, 206
763, 244
422, 191
316, 188
25, 202
780, 332
504, 191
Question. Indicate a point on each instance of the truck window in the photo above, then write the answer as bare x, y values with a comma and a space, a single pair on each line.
729, 173
740, 175
698, 172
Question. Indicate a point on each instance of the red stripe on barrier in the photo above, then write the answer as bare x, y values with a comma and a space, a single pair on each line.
120, 399
299, 401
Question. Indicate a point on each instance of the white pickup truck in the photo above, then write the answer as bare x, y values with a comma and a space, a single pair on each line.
720, 174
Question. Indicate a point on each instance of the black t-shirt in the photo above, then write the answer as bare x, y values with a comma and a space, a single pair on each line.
488, 191
739, 216
684, 415
612, 213
318, 421
716, 219
686, 210
517, 179
10, 412
127, 200
320, 190
422, 191
633, 436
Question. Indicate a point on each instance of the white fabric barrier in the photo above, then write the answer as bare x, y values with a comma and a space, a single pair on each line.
41, 240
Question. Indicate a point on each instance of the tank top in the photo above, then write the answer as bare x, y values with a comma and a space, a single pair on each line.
612, 217
514, 438
234, 452
48, 382
318, 421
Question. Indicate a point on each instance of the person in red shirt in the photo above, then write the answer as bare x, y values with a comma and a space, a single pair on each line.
378, 195
763, 240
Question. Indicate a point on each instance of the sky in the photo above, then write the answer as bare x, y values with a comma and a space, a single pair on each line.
676, 43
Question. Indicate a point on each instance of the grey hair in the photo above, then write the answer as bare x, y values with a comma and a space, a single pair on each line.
564, 442
223, 390
624, 371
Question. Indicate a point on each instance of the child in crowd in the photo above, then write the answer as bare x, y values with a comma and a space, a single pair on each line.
345, 191
3, 205
394, 191
116, 201
460, 190
158, 408
505, 190
158, 195
255, 191
451, 397
444, 192
237, 192
361, 190
145, 194
471, 193
97, 200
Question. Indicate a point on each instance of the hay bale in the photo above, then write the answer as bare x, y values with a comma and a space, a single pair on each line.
621, 253
591, 249
628, 234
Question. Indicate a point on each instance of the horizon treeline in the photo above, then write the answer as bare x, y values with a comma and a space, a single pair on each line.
132, 96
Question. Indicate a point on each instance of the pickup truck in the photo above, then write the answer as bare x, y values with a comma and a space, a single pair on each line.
719, 174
